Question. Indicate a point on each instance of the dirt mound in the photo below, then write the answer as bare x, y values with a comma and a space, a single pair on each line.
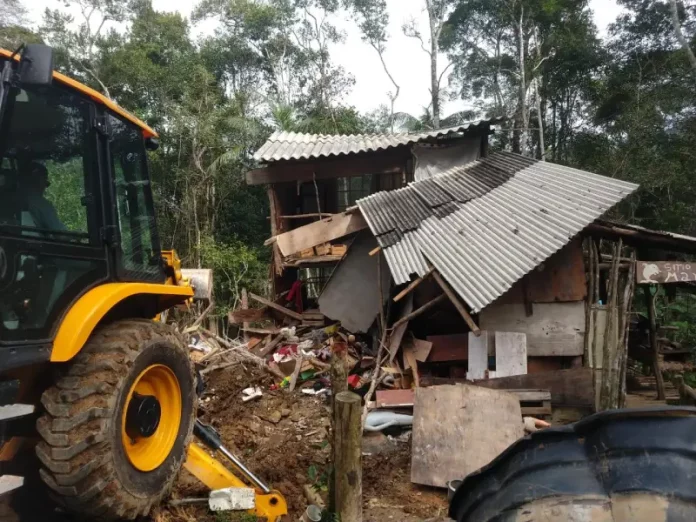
284, 438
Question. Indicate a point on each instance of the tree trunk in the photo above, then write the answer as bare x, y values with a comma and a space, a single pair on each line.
434, 84
540, 121
680, 36
537, 97
523, 88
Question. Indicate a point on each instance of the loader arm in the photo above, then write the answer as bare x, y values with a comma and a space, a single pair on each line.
215, 475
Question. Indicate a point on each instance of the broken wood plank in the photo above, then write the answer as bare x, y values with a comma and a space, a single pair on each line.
276, 306
394, 399
420, 310
458, 429
412, 285
399, 330
319, 232
410, 359
457, 303
266, 350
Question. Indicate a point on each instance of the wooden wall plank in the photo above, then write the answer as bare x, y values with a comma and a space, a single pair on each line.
553, 328
560, 279
573, 387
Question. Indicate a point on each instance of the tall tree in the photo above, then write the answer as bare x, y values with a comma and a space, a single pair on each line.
438, 11
78, 38
373, 20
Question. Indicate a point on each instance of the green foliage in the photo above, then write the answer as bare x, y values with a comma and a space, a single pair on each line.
66, 191
319, 478
236, 266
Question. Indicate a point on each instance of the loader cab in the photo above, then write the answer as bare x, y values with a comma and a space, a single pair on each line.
76, 207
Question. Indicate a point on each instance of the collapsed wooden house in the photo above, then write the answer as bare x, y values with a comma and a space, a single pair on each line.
494, 260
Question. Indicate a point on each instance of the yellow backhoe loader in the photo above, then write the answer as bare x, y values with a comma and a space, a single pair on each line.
85, 366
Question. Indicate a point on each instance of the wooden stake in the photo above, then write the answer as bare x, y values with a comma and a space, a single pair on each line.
348, 454
457, 303
650, 304
375, 251
412, 285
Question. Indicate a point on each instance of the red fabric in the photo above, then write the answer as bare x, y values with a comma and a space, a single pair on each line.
296, 295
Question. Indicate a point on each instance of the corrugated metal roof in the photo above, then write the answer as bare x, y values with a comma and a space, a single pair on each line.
486, 224
294, 146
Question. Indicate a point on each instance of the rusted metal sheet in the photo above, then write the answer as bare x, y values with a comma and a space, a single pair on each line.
656, 272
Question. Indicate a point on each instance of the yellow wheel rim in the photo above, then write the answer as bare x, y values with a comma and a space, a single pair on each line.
146, 453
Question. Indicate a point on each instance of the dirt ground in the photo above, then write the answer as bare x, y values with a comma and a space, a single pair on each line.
284, 438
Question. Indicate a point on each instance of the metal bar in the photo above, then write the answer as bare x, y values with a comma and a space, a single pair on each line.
244, 470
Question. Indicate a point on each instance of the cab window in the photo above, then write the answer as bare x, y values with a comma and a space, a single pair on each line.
140, 254
48, 167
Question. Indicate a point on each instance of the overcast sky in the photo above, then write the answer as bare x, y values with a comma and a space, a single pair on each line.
405, 58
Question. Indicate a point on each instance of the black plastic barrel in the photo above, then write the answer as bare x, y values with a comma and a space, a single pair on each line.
615, 466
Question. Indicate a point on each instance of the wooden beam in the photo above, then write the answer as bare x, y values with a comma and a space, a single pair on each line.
642, 238
319, 232
276, 306
313, 261
420, 310
457, 303
412, 285
375, 251
650, 305
389, 162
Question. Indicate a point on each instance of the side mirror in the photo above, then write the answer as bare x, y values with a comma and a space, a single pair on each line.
151, 144
36, 65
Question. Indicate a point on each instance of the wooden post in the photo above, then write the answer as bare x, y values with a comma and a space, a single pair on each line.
347, 457
339, 384
650, 304
245, 306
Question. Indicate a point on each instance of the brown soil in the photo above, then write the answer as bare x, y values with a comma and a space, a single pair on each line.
283, 452
387, 484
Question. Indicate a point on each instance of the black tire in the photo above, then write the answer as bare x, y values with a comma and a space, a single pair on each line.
84, 463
